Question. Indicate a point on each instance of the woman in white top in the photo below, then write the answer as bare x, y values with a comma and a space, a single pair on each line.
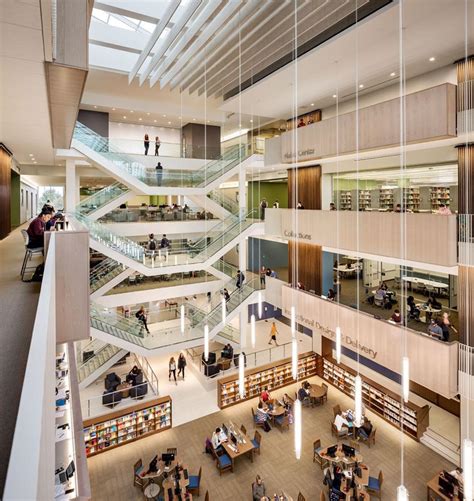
172, 369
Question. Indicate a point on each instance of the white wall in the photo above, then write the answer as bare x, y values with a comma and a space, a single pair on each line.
27, 211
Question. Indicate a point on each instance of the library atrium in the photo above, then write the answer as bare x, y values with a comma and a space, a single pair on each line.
235, 250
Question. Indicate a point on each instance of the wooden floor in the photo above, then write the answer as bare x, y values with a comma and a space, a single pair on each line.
112, 472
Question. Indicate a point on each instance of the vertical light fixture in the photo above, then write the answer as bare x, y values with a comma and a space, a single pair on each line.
402, 493
223, 310
206, 342
241, 376
293, 321
297, 429
358, 401
294, 358
467, 468
182, 319
338, 345
252, 330
260, 305
406, 378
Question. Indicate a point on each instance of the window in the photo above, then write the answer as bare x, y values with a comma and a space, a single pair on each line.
22, 202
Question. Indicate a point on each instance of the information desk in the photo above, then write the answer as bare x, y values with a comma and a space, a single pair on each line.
434, 491
127, 425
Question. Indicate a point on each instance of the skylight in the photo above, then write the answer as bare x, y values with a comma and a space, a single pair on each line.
124, 22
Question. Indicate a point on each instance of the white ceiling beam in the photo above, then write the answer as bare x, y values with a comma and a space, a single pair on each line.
101, 33
192, 73
166, 42
203, 16
153, 38
219, 21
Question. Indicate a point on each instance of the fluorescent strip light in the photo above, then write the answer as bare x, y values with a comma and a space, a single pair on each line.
206, 342
223, 310
294, 358
338, 345
252, 330
406, 378
358, 401
182, 319
402, 493
297, 429
467, 468
293, 321
241, 375
260, 306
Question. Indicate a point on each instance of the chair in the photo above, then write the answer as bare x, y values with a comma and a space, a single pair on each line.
112, 381
370, 440
322, 496
29, 253
324, 398
282, 422
111, 398
337, 410
301, 497
195, 482
206, 497
139, 392
137, 469
254, 418
375, 485
243, 429
339, 434
256, 441
316, 457
223, 462
172, 450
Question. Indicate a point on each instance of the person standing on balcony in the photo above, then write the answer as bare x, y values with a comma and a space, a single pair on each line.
157, 145
146, 143
165, 245
159, 173
263, 274
181, 364
141, 316
240, 279
263, 206
273, 334
172, 370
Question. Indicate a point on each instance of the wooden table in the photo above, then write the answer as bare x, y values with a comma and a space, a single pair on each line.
160, 470
316, 392
360, 490
151, 491
242, 449
224, 363
170, 483
124, 389
278, 410
340, 456
434, 494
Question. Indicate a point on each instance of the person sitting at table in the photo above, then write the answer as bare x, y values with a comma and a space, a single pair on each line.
331, 295
396, 317
340, 423
228, 352
383, 286
258, 489
300, 286
435, 329
132, 375
303, 393
433, 303
446, 325
262, 417
365, 430
218, 438
414, 310
265, 396
380, 295
286, 402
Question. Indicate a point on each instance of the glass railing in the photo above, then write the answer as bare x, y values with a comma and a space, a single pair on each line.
102, 353
104, 272
165, 177
154, 214
101, 198
228, 203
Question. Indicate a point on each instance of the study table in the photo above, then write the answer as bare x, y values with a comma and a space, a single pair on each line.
341, 459
434, 491
236, 450
425, 281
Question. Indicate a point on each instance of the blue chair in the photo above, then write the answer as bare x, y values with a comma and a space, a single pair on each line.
375, 485
256, 442
195, 482
224, 463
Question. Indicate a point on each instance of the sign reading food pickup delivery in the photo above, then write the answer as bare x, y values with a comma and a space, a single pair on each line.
377, 340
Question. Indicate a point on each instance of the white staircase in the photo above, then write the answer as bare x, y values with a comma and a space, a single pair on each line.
444, 447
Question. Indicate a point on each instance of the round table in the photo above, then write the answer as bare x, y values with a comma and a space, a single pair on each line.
339, 456
316, 391
278, 410
151, 491
124, 388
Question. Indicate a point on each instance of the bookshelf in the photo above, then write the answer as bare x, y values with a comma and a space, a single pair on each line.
273, 375
386, 199
378, 399
439, 195
126, 425
345, 200
412, 199
365, 200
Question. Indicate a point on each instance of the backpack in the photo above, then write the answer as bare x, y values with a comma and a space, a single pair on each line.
152, 245
38, 274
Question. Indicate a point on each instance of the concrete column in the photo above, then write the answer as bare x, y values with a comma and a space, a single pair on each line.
326, 191
242, 191
78, 186
243, 328
169, 200
243, 256
466, 391
71, 185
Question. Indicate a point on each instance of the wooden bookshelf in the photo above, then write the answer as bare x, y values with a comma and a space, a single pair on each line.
439, 195
386, 199
412, 199
365, 200
345, 200
378, 399
273, 375
127, 425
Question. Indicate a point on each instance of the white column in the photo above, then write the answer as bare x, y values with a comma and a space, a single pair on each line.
466, 391
78, 186
243, 328
243, 256
170, 200
71, 188
326, 191
242, 191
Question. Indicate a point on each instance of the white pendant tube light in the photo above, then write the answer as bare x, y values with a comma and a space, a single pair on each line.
338, 345
406, 378
467, 468
206, 342
252, 330
358, 401
294, 358
297, 429
293, 321
182, 319
241, 376
223, 310
260, 308
402, 493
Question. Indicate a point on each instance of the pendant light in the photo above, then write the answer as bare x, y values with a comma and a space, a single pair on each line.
297, 418
402, 493
406, 378
260, 308
252, 330
467, 468
293, 321
206, 342
182, 319
294, 359
358, 401
338, 345
241, 376
224, 312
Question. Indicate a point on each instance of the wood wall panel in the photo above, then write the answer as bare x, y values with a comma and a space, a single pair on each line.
305, 265
5, 193
466, 304
465, 91
466, 179
304, 184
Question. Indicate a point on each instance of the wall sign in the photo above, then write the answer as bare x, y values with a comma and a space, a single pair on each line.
299, 235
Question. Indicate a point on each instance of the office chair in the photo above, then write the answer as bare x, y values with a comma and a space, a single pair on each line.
29, 253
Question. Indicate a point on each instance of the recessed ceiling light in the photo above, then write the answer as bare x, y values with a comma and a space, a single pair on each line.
131, 111
194, 119
164, 116
361, 86
31, 155
35, 162
140, 119
148, 114
179, 118
169, 122
251, 121
312, 104
95, 107
124, 116
113, 109
154, 121
392, 74
432, 59
334, 96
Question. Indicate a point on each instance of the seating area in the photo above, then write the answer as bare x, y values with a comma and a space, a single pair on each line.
132, 386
